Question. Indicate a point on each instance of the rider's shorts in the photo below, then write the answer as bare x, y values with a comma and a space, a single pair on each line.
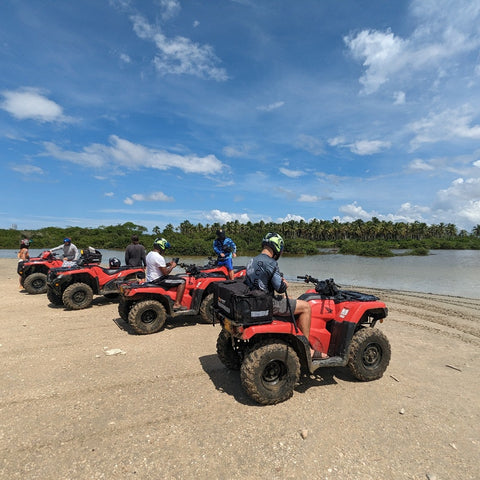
280, 306
227, 262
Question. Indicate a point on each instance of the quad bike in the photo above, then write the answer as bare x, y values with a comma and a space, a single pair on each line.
271, 352
145, 306
34, 272
76, 285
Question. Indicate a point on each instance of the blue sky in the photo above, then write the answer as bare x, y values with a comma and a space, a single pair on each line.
160, 111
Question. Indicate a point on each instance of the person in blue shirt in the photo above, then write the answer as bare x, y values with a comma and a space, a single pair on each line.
225, 249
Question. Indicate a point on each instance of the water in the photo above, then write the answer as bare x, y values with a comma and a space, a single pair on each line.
448, 272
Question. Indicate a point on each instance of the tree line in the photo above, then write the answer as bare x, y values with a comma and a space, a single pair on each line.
373, 237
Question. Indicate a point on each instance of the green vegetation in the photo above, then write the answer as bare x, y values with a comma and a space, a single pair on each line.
372, 238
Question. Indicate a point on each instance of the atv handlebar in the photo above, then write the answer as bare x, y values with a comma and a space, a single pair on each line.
308, 278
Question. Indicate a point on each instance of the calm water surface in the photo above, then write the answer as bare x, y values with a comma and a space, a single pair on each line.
450, 272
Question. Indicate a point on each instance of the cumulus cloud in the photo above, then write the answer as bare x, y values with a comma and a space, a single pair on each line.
406, 213
368, 147
32, 104
179, 55
217, 216
131, 156
420, 165
151, 197
289, 217
308, 198
445, 30
170, 8
381, 54
445, 125
361, 147
291, 173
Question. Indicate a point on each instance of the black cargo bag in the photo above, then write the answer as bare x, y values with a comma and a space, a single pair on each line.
242, 305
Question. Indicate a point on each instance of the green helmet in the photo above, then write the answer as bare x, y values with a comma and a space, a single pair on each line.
161, 243
275, 242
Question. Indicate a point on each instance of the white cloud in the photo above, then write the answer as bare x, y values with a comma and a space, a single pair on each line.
131, 156
291, 173
179, 55
336, 141
369, 147
445, 125
151, 197
236, 151
271, 106
445, 30
380, 53
289, 217
406, 213
217, 216
308, 198
170, 8
109, 194
125, 58
28, 170
419, 164
32, 104
399, 98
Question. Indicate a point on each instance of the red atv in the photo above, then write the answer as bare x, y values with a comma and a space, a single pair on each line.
271, 352
75, 286
145, 306
34, 272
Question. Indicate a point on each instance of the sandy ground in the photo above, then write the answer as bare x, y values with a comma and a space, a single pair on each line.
167, 409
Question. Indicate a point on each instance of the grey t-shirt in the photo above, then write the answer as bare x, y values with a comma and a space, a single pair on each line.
263, 274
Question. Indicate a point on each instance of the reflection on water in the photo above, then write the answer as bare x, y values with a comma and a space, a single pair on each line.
450, 272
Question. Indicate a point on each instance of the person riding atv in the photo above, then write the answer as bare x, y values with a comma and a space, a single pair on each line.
145, 306
75, 286
271, 351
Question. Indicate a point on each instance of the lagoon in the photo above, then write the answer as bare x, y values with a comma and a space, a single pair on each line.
446, 272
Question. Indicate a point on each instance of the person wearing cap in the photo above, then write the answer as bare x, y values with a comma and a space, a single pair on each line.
158, 272
225, 249
70, 251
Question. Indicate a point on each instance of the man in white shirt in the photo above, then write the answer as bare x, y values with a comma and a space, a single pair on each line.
158, 271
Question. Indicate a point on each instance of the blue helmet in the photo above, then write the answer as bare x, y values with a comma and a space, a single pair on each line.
67, 240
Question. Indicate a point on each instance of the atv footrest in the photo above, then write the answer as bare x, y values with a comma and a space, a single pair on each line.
180, 313
328, 362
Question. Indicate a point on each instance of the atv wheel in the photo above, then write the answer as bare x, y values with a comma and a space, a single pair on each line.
77, 296
147, 317
369, 354
270, 371
226, 352
124, 309
36, 283
53, 297
206, 312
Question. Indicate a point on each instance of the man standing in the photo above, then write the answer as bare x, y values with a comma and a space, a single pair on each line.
225, 249
158, 271
135, 253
